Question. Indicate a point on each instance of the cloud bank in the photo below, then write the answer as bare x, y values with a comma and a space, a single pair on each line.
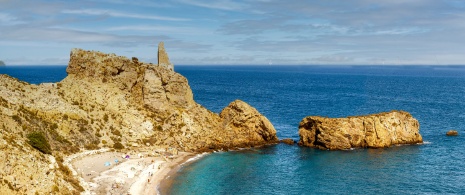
238, 32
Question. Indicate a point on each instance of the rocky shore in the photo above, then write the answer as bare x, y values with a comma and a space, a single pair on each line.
110, 101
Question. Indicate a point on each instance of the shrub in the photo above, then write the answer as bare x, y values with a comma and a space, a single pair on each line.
91, 146
16, 118
117, 133
105, 117
118, 146
55, 188
151, 141
82, 129
69, 177
38, 141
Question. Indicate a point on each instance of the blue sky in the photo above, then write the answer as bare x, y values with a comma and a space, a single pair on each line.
237, 32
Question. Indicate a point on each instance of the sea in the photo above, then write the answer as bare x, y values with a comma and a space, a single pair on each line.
434, 95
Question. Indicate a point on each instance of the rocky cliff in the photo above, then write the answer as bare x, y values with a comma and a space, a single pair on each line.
115, 102
372, 131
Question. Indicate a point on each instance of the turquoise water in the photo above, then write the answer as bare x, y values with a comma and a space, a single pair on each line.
286, 94
434, 95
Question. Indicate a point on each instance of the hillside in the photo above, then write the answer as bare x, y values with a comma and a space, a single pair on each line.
109, 101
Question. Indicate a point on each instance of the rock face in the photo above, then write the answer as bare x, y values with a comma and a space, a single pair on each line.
108, 100
373, 131
452, 133
163, 59
246, 124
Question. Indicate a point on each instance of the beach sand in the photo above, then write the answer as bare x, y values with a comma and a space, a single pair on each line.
136, 175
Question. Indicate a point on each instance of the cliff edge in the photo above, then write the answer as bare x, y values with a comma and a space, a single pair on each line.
372, 131
109, 101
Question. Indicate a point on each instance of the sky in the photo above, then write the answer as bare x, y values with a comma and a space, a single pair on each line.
237, 32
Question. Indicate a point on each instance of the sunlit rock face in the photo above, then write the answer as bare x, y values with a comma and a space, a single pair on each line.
370, 131
109, 100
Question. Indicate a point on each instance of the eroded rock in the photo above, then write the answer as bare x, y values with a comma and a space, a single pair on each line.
287, 141
372, 131
452, 133
107, 101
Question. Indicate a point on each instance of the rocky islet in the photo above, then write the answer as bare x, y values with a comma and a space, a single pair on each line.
370, 131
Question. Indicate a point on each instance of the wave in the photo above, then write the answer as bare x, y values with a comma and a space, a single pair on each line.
196, 157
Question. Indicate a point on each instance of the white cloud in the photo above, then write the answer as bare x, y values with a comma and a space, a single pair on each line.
160, 29
4, 17
101, 12
7, 19
218, 4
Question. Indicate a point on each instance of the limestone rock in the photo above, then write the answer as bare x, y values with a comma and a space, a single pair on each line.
287, 141
452, 133
373, 131
110, 101
240, 118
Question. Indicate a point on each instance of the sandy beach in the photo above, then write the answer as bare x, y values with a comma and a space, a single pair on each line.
110, 172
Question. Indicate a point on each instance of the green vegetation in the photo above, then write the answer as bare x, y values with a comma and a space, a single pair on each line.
151, 141
55, 188
118, 146
91, 146
17, 119
68, 176
39, 142
117, 133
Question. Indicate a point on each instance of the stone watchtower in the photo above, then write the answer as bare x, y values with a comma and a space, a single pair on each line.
163, 59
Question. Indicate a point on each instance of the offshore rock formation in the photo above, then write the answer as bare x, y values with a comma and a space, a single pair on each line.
110, 101
452, 133
2, 63
287, 141
373, 131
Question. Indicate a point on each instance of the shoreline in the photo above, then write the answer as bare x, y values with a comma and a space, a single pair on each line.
146, 171
109, 172
166, 182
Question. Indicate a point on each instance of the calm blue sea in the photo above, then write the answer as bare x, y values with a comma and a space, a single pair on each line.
435, 95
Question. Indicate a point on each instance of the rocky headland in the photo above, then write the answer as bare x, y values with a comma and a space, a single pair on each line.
370, 131
2, 63
109, 101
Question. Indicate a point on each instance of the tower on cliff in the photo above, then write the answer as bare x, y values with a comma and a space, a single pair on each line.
163, 59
